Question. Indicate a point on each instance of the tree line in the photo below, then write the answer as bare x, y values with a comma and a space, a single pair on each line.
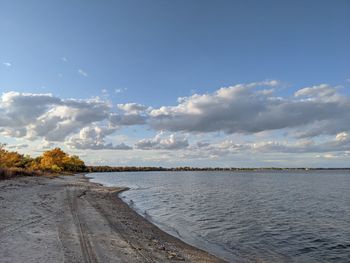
52, 161
57, 161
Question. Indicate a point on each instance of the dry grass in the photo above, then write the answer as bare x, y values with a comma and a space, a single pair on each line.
7, 173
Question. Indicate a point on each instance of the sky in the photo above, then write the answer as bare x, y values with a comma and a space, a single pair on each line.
173, 83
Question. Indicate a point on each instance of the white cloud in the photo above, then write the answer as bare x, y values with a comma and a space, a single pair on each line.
323, 92
19, 109
132, 108
340, 142
120, 90
257, 150
129, 114
94, 138
342, 137
160, 142
45, 116
7, 64
127, 119
308, 118
68, 118
248, 108
82, 73
329, 156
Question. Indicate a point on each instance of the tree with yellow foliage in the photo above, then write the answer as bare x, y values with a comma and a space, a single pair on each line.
12, 159
57, 160
53, 160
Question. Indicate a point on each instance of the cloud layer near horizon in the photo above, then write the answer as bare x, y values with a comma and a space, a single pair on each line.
245, 109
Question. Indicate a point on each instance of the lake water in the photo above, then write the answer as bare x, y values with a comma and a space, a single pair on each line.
247, 216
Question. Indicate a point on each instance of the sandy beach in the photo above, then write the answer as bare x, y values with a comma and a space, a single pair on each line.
68, 219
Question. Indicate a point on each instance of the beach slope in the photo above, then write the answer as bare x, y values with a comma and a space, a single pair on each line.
68, 219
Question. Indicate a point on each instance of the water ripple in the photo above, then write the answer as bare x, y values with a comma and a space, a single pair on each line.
248, 217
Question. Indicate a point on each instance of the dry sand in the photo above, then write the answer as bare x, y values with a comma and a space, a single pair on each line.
68, 219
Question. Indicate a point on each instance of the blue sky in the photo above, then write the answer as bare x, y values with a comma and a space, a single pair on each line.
153, 52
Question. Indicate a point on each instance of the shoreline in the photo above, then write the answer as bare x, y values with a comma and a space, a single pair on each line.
70, 219
204, 245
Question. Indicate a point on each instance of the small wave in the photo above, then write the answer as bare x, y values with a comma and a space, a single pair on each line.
255, 216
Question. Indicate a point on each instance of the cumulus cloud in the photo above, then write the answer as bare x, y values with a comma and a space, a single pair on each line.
244, 108
67, 118
48, 117
218, 149
93, 138
249, 108
44, 116
19, 109
132, 108
322, 91
340, 142
338, 146
160, 142
129, 114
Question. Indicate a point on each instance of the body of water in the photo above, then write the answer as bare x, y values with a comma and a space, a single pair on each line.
274, 216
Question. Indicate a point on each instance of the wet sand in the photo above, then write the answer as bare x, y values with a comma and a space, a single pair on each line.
68, 219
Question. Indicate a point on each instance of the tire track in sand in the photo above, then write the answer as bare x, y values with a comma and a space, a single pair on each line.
86, 249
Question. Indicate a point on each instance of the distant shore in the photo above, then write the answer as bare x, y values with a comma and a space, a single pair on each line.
98, 169
69, 219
